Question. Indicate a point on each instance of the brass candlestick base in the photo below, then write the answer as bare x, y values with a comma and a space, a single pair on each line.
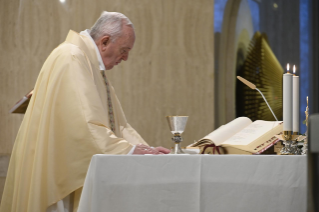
304, 149
286, 135
290, 143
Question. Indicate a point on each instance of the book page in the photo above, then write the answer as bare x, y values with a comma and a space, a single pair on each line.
226, 131
252, 132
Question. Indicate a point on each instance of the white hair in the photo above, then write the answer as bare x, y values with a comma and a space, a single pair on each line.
111, 24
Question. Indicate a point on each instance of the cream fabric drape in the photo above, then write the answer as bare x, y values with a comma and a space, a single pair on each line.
65, 124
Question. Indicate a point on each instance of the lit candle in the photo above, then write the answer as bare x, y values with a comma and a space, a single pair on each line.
287, 101
295, 91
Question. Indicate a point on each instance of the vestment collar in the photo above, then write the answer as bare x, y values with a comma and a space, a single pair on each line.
86, 45
98, 54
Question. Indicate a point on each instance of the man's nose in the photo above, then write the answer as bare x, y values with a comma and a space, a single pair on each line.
125, 57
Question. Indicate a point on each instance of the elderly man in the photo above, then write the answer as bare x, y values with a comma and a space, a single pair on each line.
73, 114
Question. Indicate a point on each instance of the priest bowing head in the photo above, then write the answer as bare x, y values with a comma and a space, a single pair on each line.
73, 114
114, 40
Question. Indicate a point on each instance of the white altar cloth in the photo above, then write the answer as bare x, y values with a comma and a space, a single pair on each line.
195, 183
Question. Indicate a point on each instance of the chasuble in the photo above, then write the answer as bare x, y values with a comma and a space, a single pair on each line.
66, 123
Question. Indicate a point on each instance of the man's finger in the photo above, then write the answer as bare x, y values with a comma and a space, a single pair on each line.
162, 150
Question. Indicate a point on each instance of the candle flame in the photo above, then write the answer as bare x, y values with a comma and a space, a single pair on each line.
294, 69
288, 67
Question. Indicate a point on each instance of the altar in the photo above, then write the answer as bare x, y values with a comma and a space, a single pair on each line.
195, 183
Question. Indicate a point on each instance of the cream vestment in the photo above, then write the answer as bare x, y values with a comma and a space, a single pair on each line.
65, 124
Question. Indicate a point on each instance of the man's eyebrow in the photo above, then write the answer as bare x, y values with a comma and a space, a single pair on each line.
125, 49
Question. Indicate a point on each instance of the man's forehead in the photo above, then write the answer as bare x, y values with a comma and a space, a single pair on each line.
128, 38
128, 31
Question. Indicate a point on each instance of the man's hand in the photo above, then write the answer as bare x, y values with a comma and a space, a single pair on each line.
142, 149
162, 150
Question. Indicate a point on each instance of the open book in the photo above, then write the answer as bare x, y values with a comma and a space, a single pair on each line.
242, 136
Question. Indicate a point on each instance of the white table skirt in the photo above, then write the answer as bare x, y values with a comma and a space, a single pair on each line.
195, 183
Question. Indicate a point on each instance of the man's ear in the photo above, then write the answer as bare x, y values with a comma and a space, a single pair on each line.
105, 40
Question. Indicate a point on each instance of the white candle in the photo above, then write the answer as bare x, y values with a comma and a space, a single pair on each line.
287, 101
295, 91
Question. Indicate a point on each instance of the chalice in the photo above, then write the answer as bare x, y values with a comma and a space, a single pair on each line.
177, 126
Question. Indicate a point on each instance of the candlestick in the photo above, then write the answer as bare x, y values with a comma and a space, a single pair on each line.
307, 109
287, 101
305, 143
295, 116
